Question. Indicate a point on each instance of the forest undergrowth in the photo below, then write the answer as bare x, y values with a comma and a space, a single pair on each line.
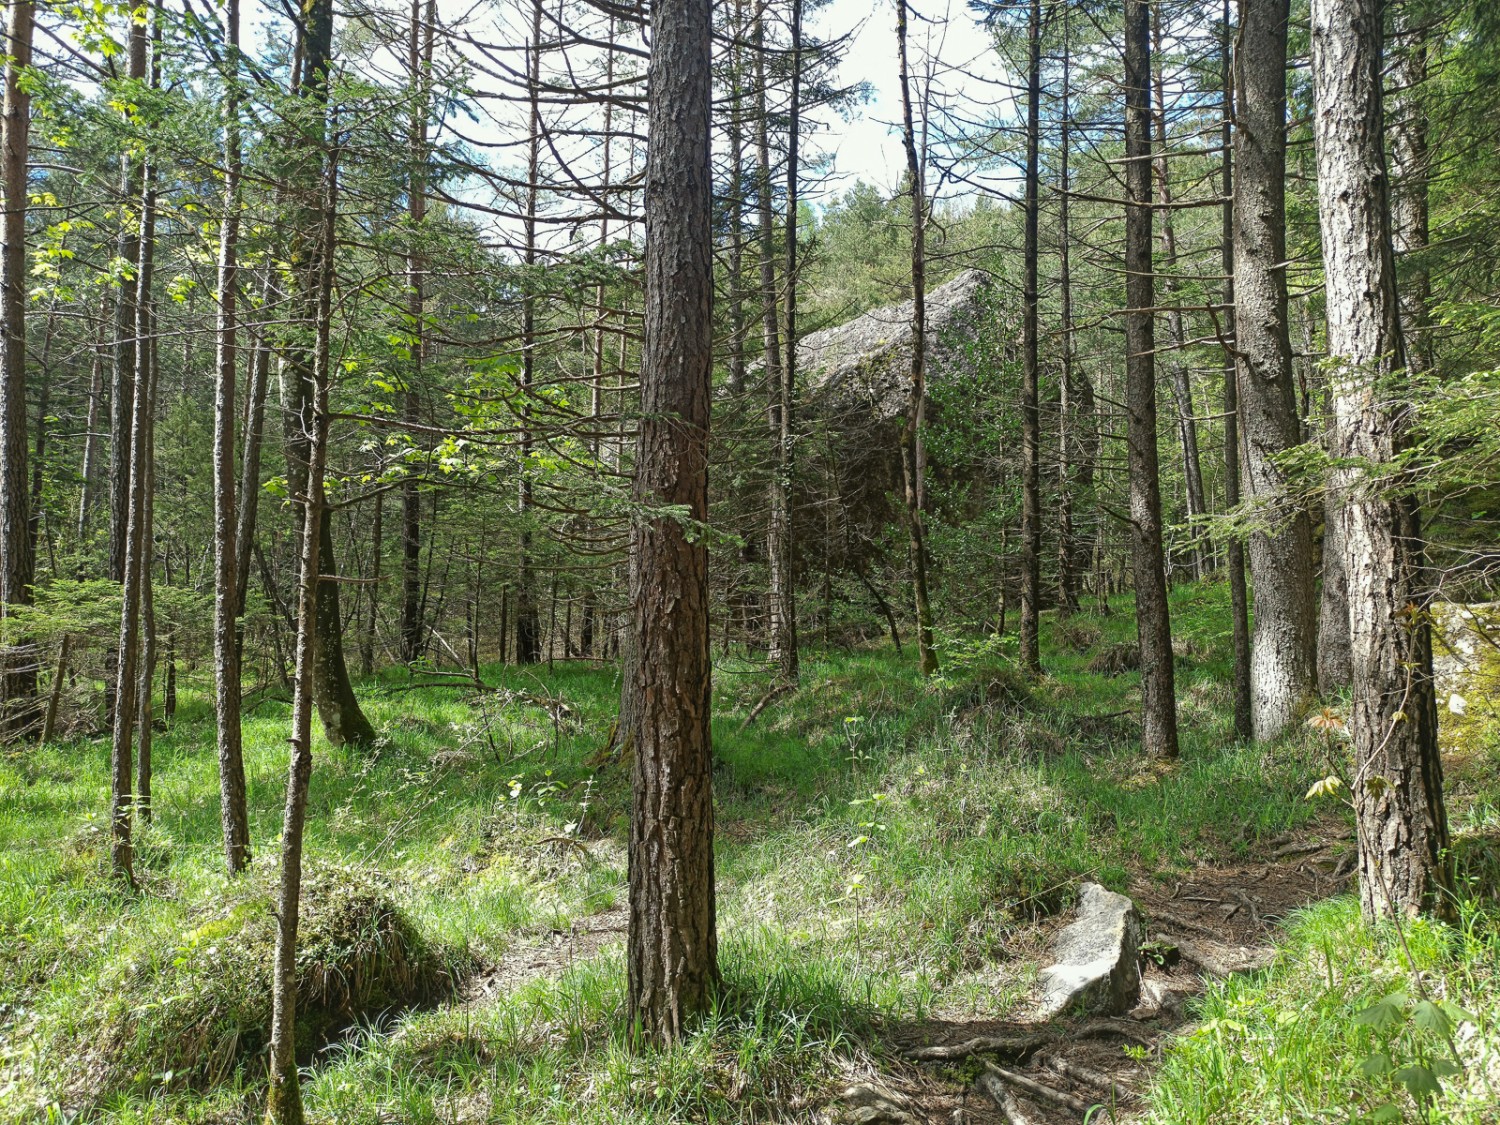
889, 851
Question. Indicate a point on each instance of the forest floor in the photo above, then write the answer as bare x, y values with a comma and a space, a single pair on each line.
893, 858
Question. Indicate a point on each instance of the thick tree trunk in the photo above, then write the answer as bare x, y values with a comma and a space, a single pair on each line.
1283, 659
1153, 621
1335, 669
1398, 785
18, 673
1239, 600
911, 430
1031, 419
672, 957
232, 799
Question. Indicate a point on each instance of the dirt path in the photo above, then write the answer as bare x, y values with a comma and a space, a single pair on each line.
1215, 921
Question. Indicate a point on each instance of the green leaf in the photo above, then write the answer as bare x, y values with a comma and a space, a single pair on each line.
1419, 1081
1445, 1068
1385, 1112
1430, 1017
1386, 1012
1377, 1064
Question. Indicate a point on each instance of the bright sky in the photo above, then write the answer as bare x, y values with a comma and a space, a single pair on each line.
868, 146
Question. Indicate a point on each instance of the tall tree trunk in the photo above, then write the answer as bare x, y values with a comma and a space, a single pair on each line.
1178, 377
247, 501
1283, 662
911, 429
781, 638
137, 545
284, 1095
1031, 419
1398, 784
528, 620
122, 368
338, 707
18, 676
232, 800
419, 61
735, 127
1239, 600
784, 586
1076, 405
145, 673
1153, 621
672, 957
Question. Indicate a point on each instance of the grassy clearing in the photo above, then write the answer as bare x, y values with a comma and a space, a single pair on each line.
885, 846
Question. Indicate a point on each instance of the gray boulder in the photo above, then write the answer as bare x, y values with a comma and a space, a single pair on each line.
1097, 967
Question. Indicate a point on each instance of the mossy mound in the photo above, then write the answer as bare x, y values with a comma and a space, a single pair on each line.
199, 1014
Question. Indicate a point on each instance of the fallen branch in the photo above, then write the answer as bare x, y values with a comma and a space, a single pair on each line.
1014, 1045
999, 1093
1091, 1077
1298, 849
766, 700
1032, 1086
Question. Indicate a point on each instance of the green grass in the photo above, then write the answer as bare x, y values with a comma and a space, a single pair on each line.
884, 847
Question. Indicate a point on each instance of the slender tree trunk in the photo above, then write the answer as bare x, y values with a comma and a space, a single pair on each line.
149, 377
284, 1098
1283, 659
1178, 378
247, 500
1031, 419
784, 601
1071, 559
1398, 784
735, 127
1239, 599
122, 369
17, 571
338, 707
911, 430
88, 473
528, 621
672, 954
1153, 621
372, 619
232, 799
137, 540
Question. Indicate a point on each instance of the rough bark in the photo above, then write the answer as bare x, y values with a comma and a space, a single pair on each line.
911, 429
672, 954
1410, 174
18, 676
1239, 600
284, 1093
1283, 659
1031, 421
1398, 783
232, 799
1153, 622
